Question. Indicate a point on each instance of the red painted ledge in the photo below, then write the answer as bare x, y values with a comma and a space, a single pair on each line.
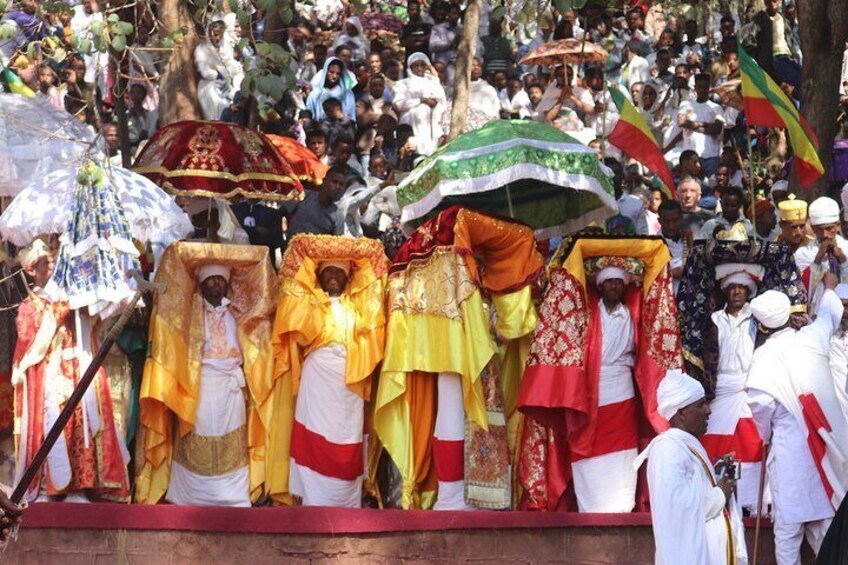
302, 520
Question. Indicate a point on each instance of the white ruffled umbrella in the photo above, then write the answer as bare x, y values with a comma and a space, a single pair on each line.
45, 207
36, 138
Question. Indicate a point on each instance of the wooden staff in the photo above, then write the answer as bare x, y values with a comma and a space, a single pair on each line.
760, 502
76, 396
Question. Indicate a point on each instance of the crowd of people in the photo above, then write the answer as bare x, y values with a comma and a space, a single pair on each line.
338, 361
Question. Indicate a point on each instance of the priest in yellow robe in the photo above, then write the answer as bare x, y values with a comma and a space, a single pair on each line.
206, 399
328, 339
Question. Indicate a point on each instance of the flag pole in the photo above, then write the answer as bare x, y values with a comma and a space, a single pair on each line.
751, 182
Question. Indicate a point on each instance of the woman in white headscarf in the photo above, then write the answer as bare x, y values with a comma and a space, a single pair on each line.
333, 81
215, 90
352, 36
420, 102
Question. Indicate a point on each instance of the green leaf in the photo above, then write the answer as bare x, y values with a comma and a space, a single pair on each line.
243, 19
563, 5
3, 5
123, 28
96, 28
263, 49
168, 43
31, 51
234, 5
578, 4
497, 13
113, 18
287, 15
119, 43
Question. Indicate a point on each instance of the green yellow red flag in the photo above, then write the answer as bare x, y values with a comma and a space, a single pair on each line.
633, 136
767, 105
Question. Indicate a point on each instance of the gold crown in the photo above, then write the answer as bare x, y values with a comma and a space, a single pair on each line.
792, 210
736, 233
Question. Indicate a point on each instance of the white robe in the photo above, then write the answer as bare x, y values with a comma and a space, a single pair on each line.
790, 363
221, 409
607, 482
805, 259
483, 102
425, 121
214, 94
735, 349
687, 508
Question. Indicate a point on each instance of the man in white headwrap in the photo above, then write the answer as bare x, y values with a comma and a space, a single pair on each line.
691, 510
210, 464
791, 395
607, 482
730, 428
829, 252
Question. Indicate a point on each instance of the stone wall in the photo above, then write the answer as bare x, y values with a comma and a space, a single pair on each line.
574, 545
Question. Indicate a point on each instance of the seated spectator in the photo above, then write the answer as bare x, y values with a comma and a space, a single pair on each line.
514, 100
732, 207
317, 141
689, 196
420, 102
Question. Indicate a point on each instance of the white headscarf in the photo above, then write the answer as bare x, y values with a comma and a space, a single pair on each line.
771, 309
676, 391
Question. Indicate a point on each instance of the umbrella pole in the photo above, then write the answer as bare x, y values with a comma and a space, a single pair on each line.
509, 202
751, 181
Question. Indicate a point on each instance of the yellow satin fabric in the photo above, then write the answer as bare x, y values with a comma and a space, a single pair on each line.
462, 346
170, 387
652, 252
304, 323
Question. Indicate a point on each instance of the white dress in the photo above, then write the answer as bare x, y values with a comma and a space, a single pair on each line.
425, 121
214, 91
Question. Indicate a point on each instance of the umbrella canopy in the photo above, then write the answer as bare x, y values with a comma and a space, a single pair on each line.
565, 51
45, 206
217, 159
305, 164
96, 251
525, 170
35, 138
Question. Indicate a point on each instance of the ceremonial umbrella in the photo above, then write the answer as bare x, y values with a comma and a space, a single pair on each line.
217, 160
525, 170
566, 51
305, 164
35, 138
46, 207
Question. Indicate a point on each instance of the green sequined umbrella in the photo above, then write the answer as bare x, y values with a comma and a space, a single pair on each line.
525, 170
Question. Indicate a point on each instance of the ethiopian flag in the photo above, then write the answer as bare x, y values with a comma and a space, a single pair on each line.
767, 105
632, 135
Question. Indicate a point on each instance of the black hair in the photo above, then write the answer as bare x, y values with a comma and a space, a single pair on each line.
342, 138
670, 206
317, 132
734, 191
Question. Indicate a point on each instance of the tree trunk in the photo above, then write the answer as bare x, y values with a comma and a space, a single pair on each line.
824, 31
464, 57
178, 81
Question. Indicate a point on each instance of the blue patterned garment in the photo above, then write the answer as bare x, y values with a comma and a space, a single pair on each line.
699, 295
96, 251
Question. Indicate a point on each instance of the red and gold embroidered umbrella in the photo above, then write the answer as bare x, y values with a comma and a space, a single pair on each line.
217, 159
306, 165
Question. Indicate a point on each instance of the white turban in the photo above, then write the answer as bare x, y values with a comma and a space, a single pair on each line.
771, 309
610, 273
677, 390
740, 273
780, 186
823, 211
32, 253
211, 270
842, 291
343, 265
